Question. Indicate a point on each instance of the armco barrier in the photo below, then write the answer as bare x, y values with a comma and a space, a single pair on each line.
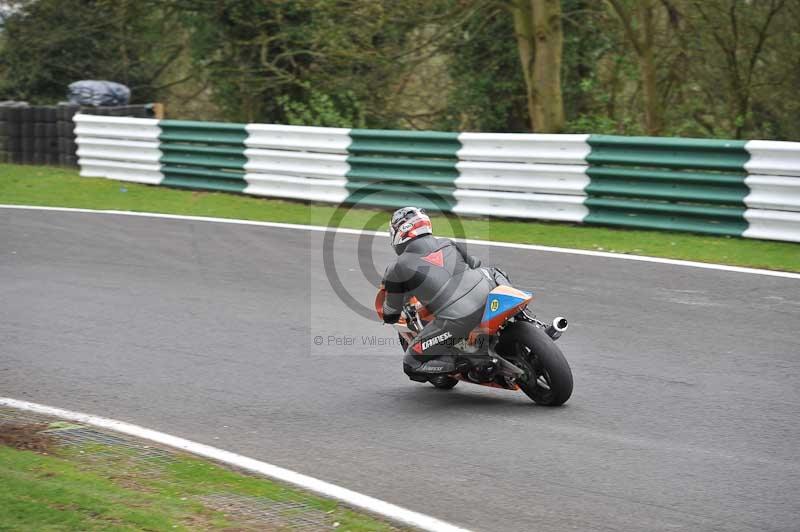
390, 168
678, 184
773, 181
297, 162
203, 155
522, 176
120, 148
737, 188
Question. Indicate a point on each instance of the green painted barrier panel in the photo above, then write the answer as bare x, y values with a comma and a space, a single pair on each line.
388, 200
695, 194
667, 152
407, 164
194, 149
204, 173
202, 132
203, 155
391, 195
201, 183
664, 207
667, 216
665, 222
649, 175
668, 223
203, 161
202, 125
411, 171
674, 184
400, 189
398, 168
363, 175
408, 143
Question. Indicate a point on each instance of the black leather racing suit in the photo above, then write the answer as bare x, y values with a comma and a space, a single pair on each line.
451, 285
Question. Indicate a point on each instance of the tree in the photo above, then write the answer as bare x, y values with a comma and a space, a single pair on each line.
539, 36
323, 62
487, 91
718, 68
639, 26
47, 44
740, 32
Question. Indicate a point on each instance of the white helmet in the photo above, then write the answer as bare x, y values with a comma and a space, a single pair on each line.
407, 224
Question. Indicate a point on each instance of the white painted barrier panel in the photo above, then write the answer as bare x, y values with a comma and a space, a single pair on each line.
775, 158
520, 205
296, 163
772, 225
116, 127
279, 186
118, 149
122, 148
564, 179
299, 138
525, 148
779, 193
149, 174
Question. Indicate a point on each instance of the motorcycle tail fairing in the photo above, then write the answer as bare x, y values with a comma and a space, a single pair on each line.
503, 302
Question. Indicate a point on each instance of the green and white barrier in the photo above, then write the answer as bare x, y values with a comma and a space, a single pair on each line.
736, 188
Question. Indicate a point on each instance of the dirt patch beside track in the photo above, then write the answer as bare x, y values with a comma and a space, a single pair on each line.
26, 436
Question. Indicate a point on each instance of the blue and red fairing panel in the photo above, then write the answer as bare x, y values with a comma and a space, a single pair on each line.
502, 303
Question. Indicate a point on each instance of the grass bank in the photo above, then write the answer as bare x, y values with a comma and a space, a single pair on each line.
50, 485
36, 185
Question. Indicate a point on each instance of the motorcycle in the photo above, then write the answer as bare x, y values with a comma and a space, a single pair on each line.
510, 348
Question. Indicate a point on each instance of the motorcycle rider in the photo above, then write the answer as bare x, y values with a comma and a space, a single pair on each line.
446, 280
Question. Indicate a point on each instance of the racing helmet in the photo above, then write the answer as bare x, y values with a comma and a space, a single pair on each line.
407, 224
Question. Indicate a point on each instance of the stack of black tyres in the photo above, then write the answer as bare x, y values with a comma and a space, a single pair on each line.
11, 144
46, 134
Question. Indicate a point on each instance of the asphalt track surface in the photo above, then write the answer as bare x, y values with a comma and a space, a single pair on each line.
685, 413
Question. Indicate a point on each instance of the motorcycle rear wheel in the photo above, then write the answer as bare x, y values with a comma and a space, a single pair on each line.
549, 377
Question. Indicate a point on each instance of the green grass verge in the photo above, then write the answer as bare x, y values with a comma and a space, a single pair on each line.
31, 185
97, 488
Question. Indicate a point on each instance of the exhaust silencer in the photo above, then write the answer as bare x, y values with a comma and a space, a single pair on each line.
558, 326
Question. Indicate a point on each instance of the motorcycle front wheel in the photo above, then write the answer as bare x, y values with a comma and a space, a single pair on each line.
548, 379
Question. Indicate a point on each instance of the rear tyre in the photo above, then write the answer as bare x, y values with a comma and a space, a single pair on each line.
549, 377
443, 382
